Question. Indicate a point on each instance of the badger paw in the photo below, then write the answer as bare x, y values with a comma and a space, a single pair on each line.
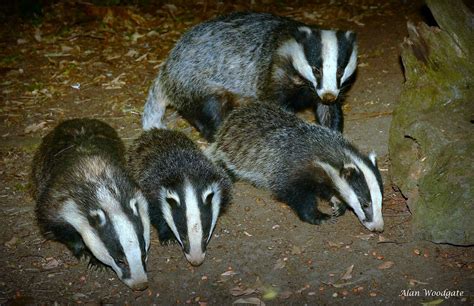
338, 207
168, 241
95, 265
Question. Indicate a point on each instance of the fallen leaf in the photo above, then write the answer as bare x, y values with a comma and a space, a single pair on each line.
414, 282
280, 264
295, 250
229, 273
34, 127
365, 237
238, 291
335, 244
434, 302
10, 243
250, 300
386, 265
269, 293
382, 238
285, 294
51, 264
348, 274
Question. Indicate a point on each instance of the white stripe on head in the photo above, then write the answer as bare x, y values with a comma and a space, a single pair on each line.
375, 194
167, 214
351, 65
216, 205
194, 225
329, 54
346, 191
294, 51
73, 216
144, 216
127, 236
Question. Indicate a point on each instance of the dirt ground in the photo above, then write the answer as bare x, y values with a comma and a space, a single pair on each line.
80, 60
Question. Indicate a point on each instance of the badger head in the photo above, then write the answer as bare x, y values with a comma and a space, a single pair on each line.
359, 184
111, 215
190, 210
326, 59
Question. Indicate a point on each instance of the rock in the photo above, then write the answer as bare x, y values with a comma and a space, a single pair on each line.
431, 141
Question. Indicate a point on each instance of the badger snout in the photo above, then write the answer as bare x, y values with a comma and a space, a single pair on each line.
137, 285
329, 97
374, 226
195, 259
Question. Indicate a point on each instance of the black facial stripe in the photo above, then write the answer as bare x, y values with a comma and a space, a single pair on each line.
345, 48
358, 183
108, 235
312, 49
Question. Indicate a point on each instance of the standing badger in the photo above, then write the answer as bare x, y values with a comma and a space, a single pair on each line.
86, 200
299, 162
221, 62
185, 190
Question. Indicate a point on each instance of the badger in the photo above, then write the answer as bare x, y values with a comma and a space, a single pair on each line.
218, 64
86, 200
300, 163
186, 191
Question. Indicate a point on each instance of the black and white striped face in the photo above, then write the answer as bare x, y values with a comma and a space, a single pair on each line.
116, 229
359, 185
191, 213
326, 59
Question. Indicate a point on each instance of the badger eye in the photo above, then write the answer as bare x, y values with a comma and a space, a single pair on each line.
339, 72
366, 205
172, 202
316, 72
122, 262
209, 198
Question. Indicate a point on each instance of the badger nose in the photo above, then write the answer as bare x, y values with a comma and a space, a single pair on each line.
196, 260
140, 286
329, 97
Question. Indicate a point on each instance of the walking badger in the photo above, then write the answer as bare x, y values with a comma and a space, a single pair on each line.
299, 162
253, 55
86, 200
185, 190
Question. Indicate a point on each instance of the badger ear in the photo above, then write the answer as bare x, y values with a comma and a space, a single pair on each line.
97, 218
347, 170
373, 158
351, 36
303, 33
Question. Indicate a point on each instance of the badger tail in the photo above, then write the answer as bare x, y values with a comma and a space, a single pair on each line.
155, 107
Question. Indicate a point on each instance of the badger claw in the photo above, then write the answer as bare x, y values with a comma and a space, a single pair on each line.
95, 265
338, 208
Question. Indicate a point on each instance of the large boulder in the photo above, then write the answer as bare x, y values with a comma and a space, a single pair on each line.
432, 133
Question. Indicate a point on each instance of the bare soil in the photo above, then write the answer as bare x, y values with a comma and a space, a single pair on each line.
81, 60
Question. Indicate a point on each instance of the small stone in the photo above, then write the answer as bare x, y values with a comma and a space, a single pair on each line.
373, 294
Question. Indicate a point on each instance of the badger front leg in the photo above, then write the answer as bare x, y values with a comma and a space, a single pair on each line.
330, 115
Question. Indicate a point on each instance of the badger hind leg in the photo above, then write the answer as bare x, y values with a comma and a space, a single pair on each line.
209, 113
155, 107
330, 115
304, 202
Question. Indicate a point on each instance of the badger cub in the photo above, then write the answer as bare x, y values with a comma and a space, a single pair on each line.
222, 62
185, 190
86, 200
299, 162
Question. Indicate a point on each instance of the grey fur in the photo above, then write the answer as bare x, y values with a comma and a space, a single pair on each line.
276, 150
78, 164
235, 56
